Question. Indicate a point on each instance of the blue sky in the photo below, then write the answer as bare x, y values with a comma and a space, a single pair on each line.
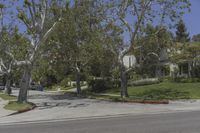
192, 19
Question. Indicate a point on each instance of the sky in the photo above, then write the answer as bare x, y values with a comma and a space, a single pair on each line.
192, 19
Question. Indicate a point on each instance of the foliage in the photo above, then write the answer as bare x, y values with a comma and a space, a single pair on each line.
153, 49
188, 54
143, 82
181, 32
196, 38
99, 85
65, 82
186, 80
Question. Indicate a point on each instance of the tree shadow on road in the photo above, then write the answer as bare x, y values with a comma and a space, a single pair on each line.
59, 100
49, 105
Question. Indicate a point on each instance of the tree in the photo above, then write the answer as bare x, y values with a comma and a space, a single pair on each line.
153, 50
9, 37
196, 38
81, 40
133, 15
33, 14
181, 32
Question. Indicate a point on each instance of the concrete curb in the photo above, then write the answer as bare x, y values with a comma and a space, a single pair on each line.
148, 101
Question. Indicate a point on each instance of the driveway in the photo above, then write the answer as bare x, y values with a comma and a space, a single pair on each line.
53, 106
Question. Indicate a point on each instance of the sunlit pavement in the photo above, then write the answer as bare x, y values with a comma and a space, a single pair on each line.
54, 106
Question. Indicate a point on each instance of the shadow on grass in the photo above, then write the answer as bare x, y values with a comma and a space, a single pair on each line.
162, 94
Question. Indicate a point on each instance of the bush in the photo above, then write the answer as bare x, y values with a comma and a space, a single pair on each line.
136, 77
186, 80
65, 82
99, 85
166, 78
142, 82
74, 84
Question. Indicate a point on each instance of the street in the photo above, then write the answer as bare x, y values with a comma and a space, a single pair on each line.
182, 122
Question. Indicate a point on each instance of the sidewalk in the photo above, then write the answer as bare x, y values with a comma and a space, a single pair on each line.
4, 112
53, 106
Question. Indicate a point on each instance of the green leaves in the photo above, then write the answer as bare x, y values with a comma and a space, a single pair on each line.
1, 6
27, 3
21, 15
181, 32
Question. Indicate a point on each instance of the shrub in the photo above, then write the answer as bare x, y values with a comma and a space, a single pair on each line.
99, 85
166, 78
74, 84
136, 77
148, 81
65, 82
186, 80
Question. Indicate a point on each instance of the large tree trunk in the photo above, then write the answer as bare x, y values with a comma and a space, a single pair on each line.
24, 85
8, 89
123, 76
78, 80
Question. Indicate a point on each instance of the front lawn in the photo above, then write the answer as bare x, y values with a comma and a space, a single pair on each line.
164, 90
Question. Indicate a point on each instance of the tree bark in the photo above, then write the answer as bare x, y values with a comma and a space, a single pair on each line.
78, 80
123, 76
8, 89
24, 85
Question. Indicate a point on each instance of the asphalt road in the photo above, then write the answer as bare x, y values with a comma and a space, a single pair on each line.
185, 122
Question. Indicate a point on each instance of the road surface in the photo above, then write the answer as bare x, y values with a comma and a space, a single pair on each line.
182, 122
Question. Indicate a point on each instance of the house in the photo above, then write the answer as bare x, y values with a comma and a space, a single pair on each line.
167, 65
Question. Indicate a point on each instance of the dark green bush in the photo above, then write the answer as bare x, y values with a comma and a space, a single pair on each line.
65, 82
186, 80
142, 82
74, 84
166, 78
99, 85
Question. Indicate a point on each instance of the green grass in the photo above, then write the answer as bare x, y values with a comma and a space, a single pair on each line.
7, 97
15, 106
164, 90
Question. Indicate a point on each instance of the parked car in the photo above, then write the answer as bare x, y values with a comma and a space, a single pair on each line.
35, 86
1, 87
